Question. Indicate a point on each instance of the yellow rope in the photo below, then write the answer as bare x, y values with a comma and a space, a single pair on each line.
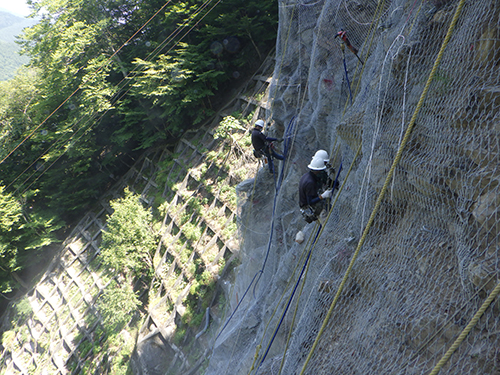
451, 319
467, 329
307, 269
387, 181
306, 248
415, 18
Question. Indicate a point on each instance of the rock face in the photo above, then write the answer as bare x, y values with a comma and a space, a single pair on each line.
431, 256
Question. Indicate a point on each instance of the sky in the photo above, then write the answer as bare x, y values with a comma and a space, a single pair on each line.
18, 7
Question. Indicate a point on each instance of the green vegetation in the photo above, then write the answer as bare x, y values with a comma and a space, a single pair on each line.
128, 238
91, 99
117, 305
126, 249
22, 234
18, 332
227, 127
10, 60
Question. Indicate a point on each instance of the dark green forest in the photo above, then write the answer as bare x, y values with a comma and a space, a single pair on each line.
106, 80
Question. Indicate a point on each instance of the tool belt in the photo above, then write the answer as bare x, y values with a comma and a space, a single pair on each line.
258, 154
308, 214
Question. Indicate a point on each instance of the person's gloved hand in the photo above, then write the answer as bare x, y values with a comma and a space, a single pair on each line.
326, 194
336, 185
280, 140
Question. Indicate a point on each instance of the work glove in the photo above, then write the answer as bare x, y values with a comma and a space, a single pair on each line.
280, 140
326, 194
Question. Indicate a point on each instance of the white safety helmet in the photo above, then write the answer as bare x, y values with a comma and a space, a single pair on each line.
317, 164
259, 123
322, 154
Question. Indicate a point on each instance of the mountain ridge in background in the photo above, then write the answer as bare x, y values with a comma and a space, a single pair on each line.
11, 26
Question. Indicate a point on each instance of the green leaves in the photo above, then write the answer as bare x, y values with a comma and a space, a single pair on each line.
19, 234
125, 251
116, 305
93, 95
128, 237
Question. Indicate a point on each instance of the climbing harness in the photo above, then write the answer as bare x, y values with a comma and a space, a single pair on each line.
308, 214
258, 274
258, 154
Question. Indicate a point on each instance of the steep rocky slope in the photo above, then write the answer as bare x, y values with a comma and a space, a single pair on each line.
405, 259
410, 251
58, 328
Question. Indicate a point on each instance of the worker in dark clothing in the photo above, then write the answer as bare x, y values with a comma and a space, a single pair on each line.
262, 145
310, 201
326, 176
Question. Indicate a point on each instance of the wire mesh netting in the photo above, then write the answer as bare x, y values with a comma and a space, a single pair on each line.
409, 252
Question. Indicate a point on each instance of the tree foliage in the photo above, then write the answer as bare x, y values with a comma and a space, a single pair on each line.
128, 238
21, 233
106, 80
116, 305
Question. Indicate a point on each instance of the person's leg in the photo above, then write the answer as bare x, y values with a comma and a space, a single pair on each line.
277, 156
269, 161
271, 165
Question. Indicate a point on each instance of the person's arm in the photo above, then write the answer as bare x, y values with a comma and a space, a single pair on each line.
312, 196
313, 200
271, 139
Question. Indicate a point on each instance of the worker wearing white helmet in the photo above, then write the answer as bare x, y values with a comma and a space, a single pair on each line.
326, 177
263, 145
322, 154
310, 201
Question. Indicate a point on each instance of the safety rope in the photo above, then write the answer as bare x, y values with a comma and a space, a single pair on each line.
284, 163
387, 181
320, 230
259, 273
342, 47
285, 290
318, 234
494, 293
288, 130
292, 294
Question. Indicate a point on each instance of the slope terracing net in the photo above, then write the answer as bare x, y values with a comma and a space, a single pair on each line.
57, 328
403, 276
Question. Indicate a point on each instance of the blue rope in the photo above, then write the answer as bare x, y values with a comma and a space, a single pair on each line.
289, 301
286, 138
236, 308
347, 77
288, 135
